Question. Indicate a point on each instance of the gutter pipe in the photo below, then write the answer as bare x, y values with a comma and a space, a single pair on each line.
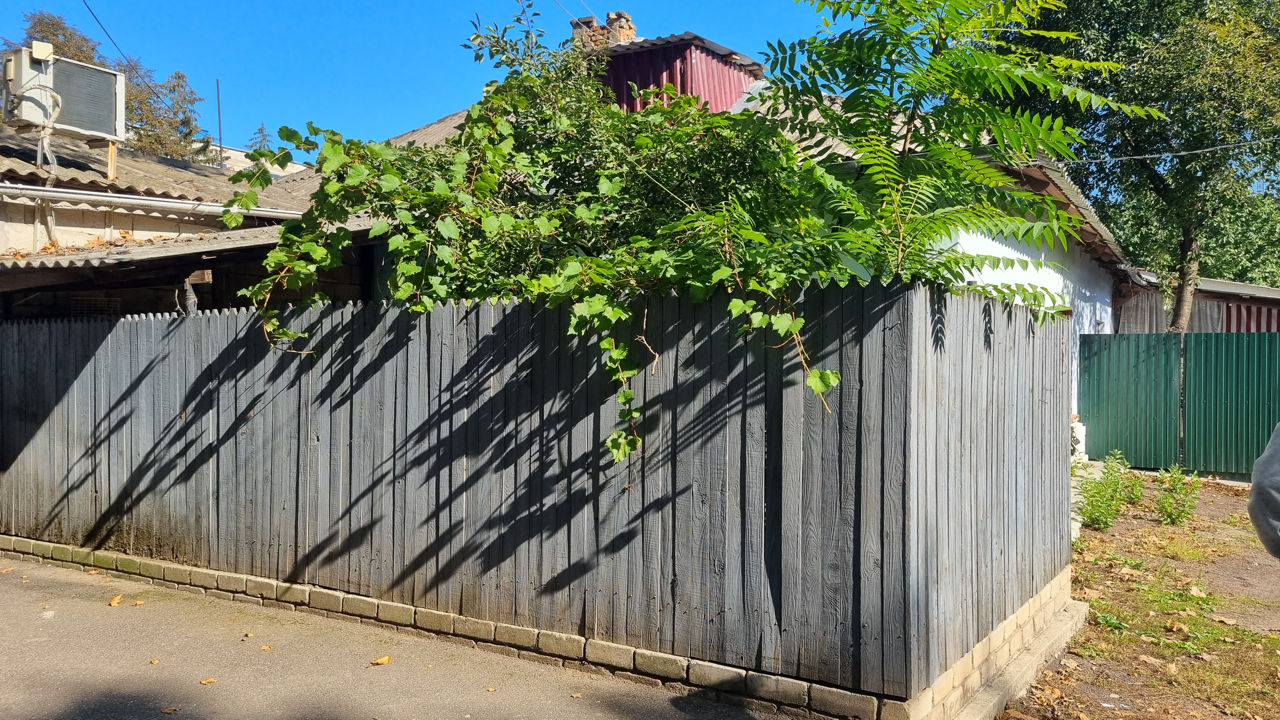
141, 202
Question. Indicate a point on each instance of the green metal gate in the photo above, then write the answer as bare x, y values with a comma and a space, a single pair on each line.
1221, 389
1232, 399
1129, 397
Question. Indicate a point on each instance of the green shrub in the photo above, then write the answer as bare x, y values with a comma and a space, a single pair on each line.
1102, 497
1178, 496
1099, 503
1117, 474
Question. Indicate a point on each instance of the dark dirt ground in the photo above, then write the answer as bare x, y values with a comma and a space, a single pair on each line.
1184, 622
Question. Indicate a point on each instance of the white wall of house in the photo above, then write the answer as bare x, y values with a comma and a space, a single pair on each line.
20, 229
1071, 273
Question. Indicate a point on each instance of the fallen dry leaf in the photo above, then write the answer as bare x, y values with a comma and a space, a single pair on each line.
1223, 619
171, 709
382, 660
6, 571
116, 600
1130, 572
1175, 626
493, 689
576, 695
1150, 660
266, 647
208, 681
94, 571
1207, 657
248, 634
136, 603
24, 579
1197, 591
1015, 715
155, 661
1171, 669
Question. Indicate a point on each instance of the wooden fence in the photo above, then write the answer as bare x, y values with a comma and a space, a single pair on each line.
455, 462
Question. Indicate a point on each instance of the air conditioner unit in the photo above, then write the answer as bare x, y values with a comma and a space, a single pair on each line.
89, 100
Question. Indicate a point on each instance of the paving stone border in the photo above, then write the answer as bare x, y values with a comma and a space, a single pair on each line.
944, 700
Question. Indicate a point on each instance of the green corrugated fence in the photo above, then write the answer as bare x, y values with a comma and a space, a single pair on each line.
1221, 389
1129, 397
1232, 399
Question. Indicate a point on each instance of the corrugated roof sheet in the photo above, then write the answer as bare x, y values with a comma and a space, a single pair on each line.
140, 250
747, 63
433, 134
83, 168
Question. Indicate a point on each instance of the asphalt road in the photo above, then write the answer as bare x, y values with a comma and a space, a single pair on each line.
66, 654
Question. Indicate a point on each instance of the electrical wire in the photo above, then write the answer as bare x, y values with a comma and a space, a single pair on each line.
1157, 156
128, 60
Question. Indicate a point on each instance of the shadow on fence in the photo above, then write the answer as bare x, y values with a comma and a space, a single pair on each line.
412, 458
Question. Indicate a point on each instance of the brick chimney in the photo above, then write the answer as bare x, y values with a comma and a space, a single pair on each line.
621, 29
618, 28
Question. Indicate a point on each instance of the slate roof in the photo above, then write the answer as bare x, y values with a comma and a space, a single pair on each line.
83, 168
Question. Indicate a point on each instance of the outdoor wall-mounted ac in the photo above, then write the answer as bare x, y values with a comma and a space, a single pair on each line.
84, 101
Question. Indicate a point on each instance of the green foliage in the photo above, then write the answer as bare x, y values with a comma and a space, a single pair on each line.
1213, 69
1103, 497
1178, 496
1099, 503
261, 140
1116, 474
549, 192
923, 94
1110, 620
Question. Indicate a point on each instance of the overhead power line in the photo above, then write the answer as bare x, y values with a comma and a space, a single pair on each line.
1157, 156
128, 61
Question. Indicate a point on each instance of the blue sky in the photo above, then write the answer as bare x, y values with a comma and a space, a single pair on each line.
368, 70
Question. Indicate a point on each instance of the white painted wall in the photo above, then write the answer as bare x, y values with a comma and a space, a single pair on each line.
77, 226
1071, 273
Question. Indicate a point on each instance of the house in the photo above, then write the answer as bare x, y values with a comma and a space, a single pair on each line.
1221, 306
142, 236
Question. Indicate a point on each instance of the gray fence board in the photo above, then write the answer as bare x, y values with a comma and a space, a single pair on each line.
455, 462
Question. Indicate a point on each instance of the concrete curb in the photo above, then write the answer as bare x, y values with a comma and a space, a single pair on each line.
729, 685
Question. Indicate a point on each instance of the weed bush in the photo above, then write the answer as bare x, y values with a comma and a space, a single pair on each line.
1116, 472
1178, 496
1102, 497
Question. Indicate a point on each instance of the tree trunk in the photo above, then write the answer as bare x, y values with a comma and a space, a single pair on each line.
1188, 278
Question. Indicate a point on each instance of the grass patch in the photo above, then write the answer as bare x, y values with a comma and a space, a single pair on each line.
1150, 616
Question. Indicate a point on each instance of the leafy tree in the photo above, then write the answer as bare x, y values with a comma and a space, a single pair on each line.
165, 122
161, 116
67, 41
1213, 68
550, 192
923, 95
261, 140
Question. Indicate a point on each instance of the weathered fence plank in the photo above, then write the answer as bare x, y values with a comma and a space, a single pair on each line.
455, 462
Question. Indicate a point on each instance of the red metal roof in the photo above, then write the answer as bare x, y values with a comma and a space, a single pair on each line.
693, 64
